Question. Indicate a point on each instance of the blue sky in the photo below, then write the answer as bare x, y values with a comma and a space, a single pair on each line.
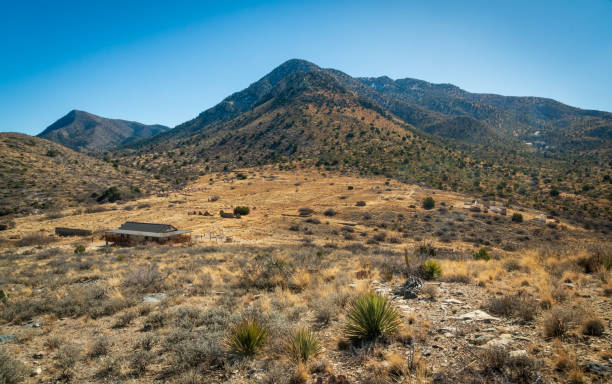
165, 62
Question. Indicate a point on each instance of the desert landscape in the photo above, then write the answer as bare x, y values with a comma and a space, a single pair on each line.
306, 192
501, 299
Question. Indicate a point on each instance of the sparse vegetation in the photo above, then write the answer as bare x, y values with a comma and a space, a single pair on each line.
431, 270
303, 345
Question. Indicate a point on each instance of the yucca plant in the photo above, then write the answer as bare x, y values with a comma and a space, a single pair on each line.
370, 316
431, 270
246, 338
303, 345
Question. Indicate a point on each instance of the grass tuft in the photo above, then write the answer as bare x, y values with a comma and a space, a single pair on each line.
371, 316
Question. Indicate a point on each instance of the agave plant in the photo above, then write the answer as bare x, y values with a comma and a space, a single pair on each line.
303, 345
246, 338
370, 316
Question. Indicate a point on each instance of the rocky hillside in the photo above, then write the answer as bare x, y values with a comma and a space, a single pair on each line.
83, 131
37, 175
300, 115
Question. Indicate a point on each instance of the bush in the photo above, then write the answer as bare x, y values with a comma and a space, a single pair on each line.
431, 270
242, 211
67, 356
517, 217
593, 327
512, 265
371, 316
110, 195
100, 347
513, 305
330, 212
247, 338
303, 345
429, 203
482, 254
11, 370
360, 204
305, 211
557, 323
79, 250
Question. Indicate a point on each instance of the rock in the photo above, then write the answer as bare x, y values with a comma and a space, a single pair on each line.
501, 342
6, 338
410, 288
33, 324
451, 301
480, 339
519, 353
598, 368
477, 315
153, 298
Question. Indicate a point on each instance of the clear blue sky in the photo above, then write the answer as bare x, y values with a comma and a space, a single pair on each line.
166, 61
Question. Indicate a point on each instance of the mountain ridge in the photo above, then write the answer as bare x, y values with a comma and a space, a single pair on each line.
84, 131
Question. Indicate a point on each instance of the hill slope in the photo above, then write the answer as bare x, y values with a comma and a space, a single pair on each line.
81, 130
39, 174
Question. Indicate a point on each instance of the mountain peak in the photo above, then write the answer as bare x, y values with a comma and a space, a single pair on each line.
83, 130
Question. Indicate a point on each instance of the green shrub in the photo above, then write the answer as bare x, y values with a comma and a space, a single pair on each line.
52, 153
429, 203
370, 316
431, 270
303, 345
482, 254
247, 338
241, 176
111, 195
242, 211
11, 370
80, 249
517, 217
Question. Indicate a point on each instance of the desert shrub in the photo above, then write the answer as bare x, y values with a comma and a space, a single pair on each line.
242, 211
593, 327
110, 195
52, 153
517, 305
265, 272
188, 350
53, 342
305, 211
557, 322
360, 203
313, 220
247, 338
456, 278
517, 217
515, 369
155, 320
481, 254
48, 253
12, 371
100, 347
189, 317
431, 270
512, 265
428, 203
426, 249
125, 319
370, 316
144, 279
303, 345
330, 212
66, 358
378, 237
35, 239
326, 308
241, 176
80, 249
213, 198
139, 361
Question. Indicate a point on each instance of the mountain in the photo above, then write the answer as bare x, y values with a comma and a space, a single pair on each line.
438, 135
545, 123
83, 131
38, 174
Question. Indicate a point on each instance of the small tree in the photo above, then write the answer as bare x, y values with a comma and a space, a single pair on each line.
242, 211
517, 217
429, 203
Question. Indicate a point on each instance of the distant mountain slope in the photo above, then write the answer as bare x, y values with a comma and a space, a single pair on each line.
37, 174
545, 123
81, 130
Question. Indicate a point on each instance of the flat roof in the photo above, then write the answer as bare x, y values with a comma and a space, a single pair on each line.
149, 234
